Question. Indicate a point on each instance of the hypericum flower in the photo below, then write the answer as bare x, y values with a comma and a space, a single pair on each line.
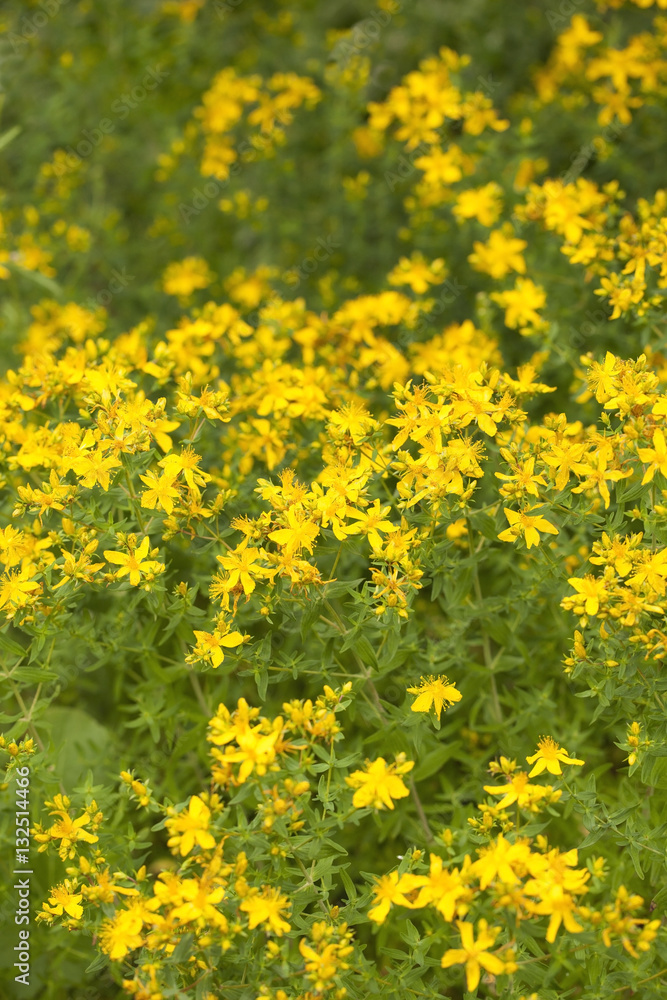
182, 277
67, 830
435, 691
549, 757
482, 203
133, 562
442, 888
417, 273
300, 532
94, 468
656, 456
519, 790
521, 304
500, 254
241, 566
475, 954
186, 462
161, 490
210, 645
325, 958
123, 932
370, 522
191, 827
199, 902
64, 897
380, 783
592, 590
393, 889
266, 908
17, 591
560, 906
597, 474
522, 522
256, 750
498, 861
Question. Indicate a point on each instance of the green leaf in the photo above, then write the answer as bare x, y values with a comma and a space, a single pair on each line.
183, 949
51, 286
34, 675
9, 135
350, 887
433, 761
99, 962
8, 645
80, 741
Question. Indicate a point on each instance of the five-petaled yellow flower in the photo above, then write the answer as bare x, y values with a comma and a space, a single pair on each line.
380, 783
134, 562
394, 889
64, 897
475, 954
266, 908
191, 827
549, 757
435, 691
522, 522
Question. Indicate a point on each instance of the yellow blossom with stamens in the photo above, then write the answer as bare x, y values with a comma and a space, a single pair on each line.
522, 522
473, 954
379, 784
191, 827
134, 563
549, 757
267, 907
434, 691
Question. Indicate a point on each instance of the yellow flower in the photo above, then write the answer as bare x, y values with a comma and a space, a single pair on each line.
266, 908
256, 750
549, 757
435, 691
67, 830
379, 784
122, 933
394, 889
475, 954
241, 565
134, 562
500, 254
499, 860
186, 462
64, 897
522, 522
182, 278
525, 481
597, 474
161, 490
15, 590
518, 790
94, 468
417, 273
592, 590
521, 304
299, 533
199, 903
191, 828
559, 904
656, 456
482, 203
210, 645
370, 522
442, 888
